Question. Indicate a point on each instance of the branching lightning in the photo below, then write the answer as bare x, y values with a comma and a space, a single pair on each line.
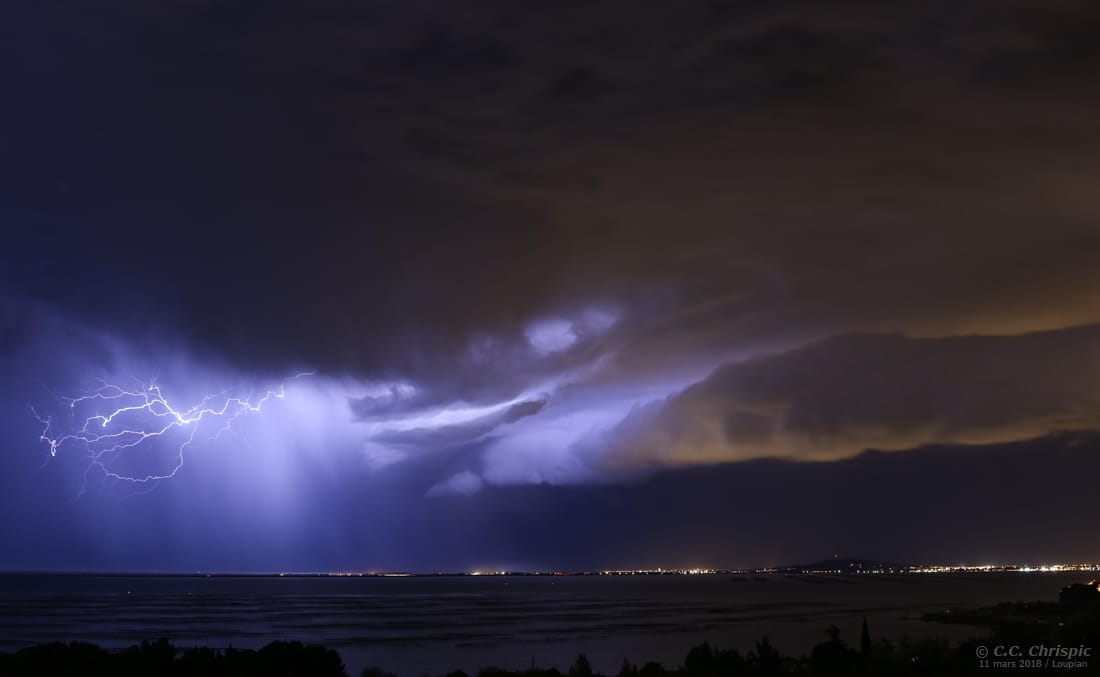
114, 421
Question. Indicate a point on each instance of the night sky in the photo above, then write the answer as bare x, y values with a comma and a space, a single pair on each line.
538, 285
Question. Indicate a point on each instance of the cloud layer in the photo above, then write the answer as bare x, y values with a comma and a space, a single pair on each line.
571, 244
838, 397
373, 189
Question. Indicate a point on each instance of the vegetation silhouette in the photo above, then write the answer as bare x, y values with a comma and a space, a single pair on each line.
865, 644
162, 659
1074, 621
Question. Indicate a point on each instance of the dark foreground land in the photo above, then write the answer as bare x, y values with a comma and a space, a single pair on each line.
1025, 638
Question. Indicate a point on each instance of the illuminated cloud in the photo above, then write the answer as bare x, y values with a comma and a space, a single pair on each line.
198, 414
597, 321
551, 335
561, 245
380, 456
837, 398
576, 424
464, 483
550, 449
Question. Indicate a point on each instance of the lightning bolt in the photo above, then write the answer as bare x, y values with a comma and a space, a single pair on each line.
119, 420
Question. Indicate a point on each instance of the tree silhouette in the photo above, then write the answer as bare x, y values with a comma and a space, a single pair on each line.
1078, 595
865, 645
765, 659
832, 656
581, 667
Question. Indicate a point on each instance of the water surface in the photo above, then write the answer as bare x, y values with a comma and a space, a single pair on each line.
423, 625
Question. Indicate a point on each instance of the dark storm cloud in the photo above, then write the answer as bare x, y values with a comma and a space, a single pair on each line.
368, 187
374, 188
985, 508
841, 396
494, 230
1037, 47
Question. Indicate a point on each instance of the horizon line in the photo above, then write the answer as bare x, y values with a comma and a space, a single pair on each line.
814, 567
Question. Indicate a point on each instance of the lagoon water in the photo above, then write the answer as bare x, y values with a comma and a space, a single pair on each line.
419, 625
